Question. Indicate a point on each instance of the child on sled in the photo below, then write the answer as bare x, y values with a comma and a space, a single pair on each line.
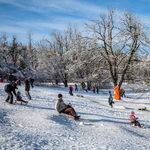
61, 107
133, 119
19, 98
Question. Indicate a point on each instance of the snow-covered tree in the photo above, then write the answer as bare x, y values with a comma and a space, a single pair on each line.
119, 39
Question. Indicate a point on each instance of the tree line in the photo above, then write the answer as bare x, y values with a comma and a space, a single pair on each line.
111, 50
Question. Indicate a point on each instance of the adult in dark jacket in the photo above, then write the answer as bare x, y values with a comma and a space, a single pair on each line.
27, 89
10, 78
76, 87
61, 107
31, 81
9, 89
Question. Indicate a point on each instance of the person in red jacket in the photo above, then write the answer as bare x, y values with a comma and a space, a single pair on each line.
70, 90
133, 119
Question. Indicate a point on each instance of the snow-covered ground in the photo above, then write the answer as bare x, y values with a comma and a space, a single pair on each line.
37, 125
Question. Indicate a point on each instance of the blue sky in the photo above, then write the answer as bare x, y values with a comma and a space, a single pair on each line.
17, 17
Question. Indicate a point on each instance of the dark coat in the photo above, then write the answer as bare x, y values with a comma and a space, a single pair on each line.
10, 88
27, 85
31, 80
10, 77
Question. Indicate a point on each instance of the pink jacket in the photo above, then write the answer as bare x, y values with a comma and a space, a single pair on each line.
132, 118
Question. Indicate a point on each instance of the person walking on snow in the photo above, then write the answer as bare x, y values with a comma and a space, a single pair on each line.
133, 119
10, 78
27, 89
61, 107
86, 89
97, 89
93, 89
70, 90
31, 81
9, 89
76, 88
110, 99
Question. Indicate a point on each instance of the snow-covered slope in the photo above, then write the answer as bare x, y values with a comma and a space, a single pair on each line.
37, 125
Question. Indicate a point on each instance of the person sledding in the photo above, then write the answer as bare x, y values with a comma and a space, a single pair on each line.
145, 109
19, 98
70, 90
134, 119
61, 107
110, 99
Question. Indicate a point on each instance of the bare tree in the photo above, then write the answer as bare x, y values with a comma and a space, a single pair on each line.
118, 40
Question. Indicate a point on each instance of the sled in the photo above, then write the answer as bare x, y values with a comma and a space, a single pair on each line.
80, 96
128, 97
22, 103
134, 126
67, 116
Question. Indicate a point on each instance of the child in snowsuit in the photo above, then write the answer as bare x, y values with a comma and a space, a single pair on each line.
61, 107
133, 119
27, 89
70, 90
19, 98
97, 89
110, 99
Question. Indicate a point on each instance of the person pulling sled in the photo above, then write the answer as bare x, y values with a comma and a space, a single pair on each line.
9, 88
61, 107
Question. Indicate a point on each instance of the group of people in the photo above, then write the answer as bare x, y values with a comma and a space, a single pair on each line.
10, 89
60, 106
76, 89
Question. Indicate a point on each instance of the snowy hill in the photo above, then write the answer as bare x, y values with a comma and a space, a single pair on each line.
37, 125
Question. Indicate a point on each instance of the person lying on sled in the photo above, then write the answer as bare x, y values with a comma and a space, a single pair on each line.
61, 107
133, 119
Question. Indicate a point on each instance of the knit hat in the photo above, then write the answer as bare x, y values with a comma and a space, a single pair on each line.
59, 95
18, 80
18, 93
132, 112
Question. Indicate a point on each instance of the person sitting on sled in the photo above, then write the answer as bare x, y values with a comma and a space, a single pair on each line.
61, 107
110, 99
19, 98
133, 119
